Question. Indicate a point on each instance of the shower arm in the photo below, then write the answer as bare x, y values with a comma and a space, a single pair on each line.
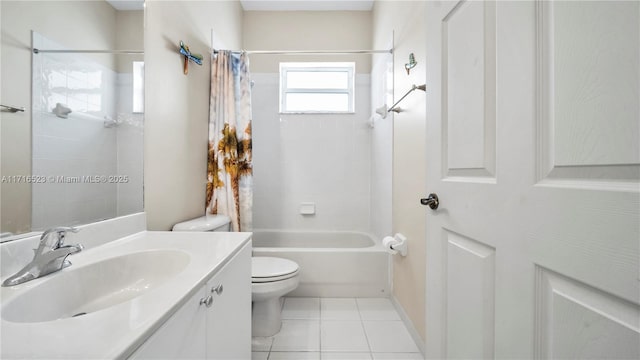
393, 108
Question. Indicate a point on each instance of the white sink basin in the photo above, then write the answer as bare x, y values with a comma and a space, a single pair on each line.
76, 291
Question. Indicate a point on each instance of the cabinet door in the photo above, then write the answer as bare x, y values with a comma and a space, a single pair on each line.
180, 337
229, 318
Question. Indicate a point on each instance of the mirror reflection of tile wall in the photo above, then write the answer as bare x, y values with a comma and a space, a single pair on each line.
91, 161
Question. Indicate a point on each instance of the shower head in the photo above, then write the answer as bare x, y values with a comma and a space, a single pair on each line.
382, 111
109, 122
61, 110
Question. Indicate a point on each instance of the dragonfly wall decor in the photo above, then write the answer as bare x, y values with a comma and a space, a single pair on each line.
189, 56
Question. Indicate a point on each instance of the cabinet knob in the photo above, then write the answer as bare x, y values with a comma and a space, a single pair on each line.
218, 289
207, 301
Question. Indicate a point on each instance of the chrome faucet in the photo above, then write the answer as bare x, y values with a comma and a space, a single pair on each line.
47, 258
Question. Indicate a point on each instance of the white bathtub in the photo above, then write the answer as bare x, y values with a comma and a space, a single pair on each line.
332, 264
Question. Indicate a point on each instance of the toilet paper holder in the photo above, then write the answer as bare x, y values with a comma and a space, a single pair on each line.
396, 244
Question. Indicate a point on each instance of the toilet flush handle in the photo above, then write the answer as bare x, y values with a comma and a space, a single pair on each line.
218, 289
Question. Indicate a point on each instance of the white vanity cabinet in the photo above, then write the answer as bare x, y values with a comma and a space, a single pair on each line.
215, 323
228, 333
181, 337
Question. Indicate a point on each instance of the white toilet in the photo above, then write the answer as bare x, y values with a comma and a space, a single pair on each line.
271, 278
205, 223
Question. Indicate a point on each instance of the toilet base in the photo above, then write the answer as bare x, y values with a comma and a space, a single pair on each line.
266, 317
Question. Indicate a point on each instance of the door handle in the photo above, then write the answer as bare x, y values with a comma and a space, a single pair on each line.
431, 201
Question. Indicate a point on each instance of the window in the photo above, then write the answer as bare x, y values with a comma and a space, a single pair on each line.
316, 87
138, 86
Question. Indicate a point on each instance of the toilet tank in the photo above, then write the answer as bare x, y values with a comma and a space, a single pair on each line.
208, 222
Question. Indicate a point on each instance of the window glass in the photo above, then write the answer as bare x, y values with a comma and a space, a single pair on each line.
318, 79
138, 86
317, 87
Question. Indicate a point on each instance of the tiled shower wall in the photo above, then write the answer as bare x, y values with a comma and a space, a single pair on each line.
129, 148
319, 158
381, 146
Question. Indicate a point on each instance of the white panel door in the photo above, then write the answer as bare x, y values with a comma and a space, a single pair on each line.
533, 132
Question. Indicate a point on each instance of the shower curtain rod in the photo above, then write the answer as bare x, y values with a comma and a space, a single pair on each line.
310, 52
37, 51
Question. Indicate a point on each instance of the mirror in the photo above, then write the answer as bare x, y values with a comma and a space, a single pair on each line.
74, 156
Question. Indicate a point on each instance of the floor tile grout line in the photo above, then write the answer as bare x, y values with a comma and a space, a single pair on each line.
320, 322
363, 329
273, 338
320, 327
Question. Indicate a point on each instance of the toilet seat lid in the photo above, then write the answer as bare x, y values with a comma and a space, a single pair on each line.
271, 269
209, 222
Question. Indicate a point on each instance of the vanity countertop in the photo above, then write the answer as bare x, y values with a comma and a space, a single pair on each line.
117, 331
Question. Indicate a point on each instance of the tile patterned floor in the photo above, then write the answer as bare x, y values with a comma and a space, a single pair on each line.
338, 329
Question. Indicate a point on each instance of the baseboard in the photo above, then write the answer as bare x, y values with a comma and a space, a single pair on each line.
339, 290
407, 322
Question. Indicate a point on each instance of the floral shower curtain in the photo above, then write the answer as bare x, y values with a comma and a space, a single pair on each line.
229, 167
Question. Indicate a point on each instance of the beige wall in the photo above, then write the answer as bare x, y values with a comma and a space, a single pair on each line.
306, 30
76, 24
177, 110
406, 18
129, 36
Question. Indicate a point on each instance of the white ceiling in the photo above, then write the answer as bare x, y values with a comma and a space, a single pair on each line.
306, 5
124, 5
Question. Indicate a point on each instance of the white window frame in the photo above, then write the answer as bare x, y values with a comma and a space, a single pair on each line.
286, 68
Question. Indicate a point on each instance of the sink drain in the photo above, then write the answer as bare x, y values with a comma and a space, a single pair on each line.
79, 314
